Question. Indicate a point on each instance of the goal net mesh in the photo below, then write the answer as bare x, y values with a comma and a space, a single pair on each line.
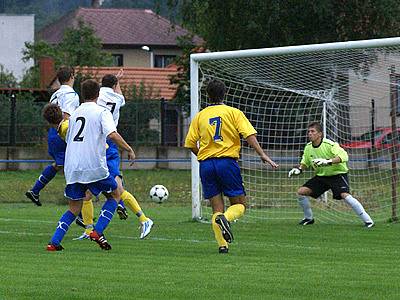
348, 91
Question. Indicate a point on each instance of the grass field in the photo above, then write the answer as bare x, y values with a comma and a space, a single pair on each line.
179, 260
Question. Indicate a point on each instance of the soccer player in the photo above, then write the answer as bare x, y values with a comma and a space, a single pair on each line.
214, 136
111, 97
68, 100
86, 167
329, 161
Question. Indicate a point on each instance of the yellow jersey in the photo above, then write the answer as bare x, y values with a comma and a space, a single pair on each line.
218, 129
63, 128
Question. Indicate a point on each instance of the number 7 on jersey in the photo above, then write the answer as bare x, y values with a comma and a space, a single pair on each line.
218, 124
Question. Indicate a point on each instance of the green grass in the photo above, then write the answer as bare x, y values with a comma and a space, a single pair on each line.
269, 259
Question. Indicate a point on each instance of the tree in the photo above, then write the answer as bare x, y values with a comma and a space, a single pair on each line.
243, 24
79, 47
7, 79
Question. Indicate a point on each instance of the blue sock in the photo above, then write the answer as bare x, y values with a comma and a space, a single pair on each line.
47, 175
63, 225
121, 203
106, 214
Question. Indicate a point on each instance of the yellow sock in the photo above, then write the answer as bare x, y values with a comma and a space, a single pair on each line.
87, 215
133, 205
234, 212
217, 232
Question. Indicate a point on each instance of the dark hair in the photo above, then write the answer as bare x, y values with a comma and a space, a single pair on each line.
89, 89
64, 74
316, 125
109, 80
52, 113
216, 90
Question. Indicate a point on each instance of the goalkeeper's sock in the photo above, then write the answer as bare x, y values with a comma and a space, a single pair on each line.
304, 202
358, 208
106, 214
88, 215
63, 225
234, 212
133, 205
47, 175
217, 232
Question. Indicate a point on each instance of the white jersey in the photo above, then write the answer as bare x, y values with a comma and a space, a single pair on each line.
111, 100
85, 157
66, 98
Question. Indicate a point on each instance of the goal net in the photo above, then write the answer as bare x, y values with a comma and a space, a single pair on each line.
351, 88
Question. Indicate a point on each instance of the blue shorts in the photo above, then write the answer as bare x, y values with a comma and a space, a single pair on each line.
76, 191
113, 160
221, 175
56, 146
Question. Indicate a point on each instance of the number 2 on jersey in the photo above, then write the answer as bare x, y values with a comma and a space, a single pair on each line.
217, 121
77, 137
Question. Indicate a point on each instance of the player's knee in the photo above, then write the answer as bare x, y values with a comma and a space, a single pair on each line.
303, 191
344, 195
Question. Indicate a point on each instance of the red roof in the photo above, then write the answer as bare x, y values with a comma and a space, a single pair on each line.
136, 27
155, 79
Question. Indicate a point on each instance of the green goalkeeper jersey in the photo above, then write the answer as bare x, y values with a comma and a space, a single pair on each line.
328, 150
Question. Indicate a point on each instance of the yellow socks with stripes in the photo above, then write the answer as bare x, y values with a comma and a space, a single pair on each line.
133, 205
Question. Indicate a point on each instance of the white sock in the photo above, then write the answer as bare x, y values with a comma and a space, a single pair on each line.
305, 204
358, 208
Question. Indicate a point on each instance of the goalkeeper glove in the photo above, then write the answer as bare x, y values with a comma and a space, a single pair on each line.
319, 162
295, 171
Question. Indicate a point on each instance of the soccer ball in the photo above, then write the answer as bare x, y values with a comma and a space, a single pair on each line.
159, 193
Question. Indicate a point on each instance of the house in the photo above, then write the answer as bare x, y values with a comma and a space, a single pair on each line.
134, 37
15, 30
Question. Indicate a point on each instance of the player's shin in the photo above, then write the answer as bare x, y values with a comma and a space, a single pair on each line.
133, 205
63, 225
88, 215
106, 214
47, 175
358, 208
217, 232
304, 203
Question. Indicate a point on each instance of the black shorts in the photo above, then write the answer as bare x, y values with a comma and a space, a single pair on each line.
320, 184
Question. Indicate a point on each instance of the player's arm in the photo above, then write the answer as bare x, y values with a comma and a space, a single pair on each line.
192, 137
338, 153
253, 142
117, 88
119, 140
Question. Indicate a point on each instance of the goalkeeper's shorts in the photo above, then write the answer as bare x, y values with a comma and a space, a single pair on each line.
320, 184
221, 175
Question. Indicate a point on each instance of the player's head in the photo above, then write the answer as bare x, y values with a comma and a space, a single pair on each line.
65, 74
315, 131
109, 80
216, 91
90, 90
52, 113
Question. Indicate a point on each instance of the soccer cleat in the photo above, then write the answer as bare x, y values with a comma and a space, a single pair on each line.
34, 198
122, 212
79, 222
223, 249
225, 227
100, 240
51, 247
84, 236
369, 224
145, 228
306, 221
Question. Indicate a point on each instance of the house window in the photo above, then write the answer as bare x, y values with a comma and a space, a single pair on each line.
162, 61
118, 60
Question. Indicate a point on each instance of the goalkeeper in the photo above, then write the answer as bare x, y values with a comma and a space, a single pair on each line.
329, 161
214, 137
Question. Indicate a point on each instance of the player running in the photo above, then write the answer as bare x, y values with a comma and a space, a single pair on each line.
214, 137
85, 165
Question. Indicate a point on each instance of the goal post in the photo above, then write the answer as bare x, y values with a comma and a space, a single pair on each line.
281, 90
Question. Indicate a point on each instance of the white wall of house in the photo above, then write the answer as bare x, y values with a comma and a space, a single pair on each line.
15, 30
